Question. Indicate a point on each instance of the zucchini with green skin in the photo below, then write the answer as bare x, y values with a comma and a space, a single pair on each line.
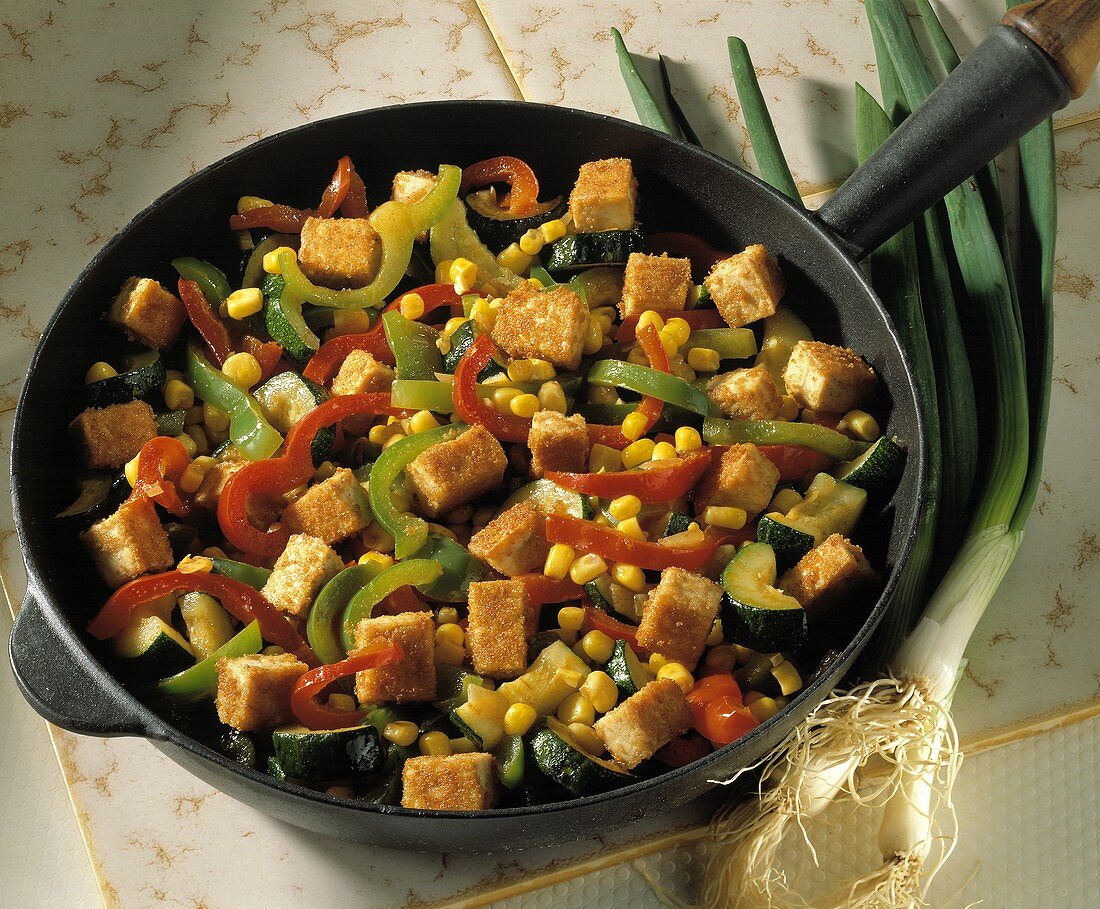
548, 498
483, 215
557, 754
481, 718
626, 670
152, 647
327, 754
614, 599
461, 339
140, 381
755, 613
553, 676
511, 758
287, 397
388, 790
678, 522
452, 684
605, 247
830, 506
877, 469
171, 422
285, 322
757, 674
238, 746
98, 494
208, 624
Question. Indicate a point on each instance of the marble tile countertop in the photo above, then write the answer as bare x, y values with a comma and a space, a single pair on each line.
107, 104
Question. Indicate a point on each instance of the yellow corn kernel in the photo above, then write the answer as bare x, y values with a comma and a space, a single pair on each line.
242, 370
605, 322
449, 655
341, 702
542, 370
514, 259
379, 433
193, 475
668, 341
246, 204
215, 420
272, 650
411, 306
624, 507
195, 565
394, 437
788, 409
604, 459
422, 421
451, 633
447, 615
552, 230
597, 646
763, 708
463, 274
502, 398
99, 371
587, 568
631, 528
531, 242
188, 443
525, 405
784, 500
649, 317
350, 321
483, 315
558, 561
678, 672
453, 325
552, 397
860, 424
688, 439
656, 661
585, 736
809, 415
600, 690
629, 576
197, 435
131, 470
725, 516
570, 618
271, 259
576, 708
703, 359
519, 718
634, 425
637, 453
521, 371
593, 337
194, 415
716, 636
679, 330
178, 395
637, 356
462, 745
663, 451
244, 302
722, 658
401, 732
443, 271
436, 744
382, 559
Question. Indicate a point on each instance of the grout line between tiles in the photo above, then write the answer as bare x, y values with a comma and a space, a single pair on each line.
500, 49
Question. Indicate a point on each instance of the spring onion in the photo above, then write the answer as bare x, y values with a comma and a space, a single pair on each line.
649, 111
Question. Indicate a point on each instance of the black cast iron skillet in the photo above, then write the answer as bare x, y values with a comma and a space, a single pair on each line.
1003, 89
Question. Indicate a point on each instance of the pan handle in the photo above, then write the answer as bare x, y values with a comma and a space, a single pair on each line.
1021, 73
61, 682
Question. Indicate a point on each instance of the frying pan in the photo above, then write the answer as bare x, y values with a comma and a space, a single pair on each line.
1004, 88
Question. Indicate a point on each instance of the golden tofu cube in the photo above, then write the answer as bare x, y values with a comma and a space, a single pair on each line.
605, 196
129, 543
412, 678
148, 313
827, 572
558, 442
111, 436
678, 616
828, 378
544, 324
305, 565
450, 474
746, 394
456, 782
254, 690
746, 287
654, 282
496, 634
514, 542
644, 722
742, 477
332, 510
361, 374
339, 252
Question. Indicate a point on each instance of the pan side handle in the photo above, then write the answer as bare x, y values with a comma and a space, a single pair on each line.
1067, 30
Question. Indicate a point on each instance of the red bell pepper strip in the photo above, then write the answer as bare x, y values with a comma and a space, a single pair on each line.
276, 476
206, 321
686, 246
355, 201
696, 318
241, 601
161, 462
718, 710
657, 484
543, 590
650, 408
523, 185
506, 427
794, 461
587, 536
267, 353
404, 599
598, 620
337, 190
289, 220
303, 703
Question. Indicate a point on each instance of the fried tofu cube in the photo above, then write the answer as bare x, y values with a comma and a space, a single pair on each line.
496, 634
605, 196
302, 569
654, 282
148, 313
254, 690
457, 782
111, 436
362, 374
514, 542
332, 510
746, 394
644, 722
545, 324
129, 543
827, 572
213, 483
412, 678
825, 377
411, 186
558, 442
746, 287
742, 477
339, 252
678, 616
453, 473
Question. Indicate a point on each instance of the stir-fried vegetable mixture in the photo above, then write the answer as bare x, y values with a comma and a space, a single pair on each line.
585, 507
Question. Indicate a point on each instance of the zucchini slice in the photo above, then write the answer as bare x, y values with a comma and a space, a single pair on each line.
144, 377
605, 247
626, 670
285, 322
678, 522
754, 613
496, 232
558, 755
97, 495
208, 624
613, 599
452, 684
461, 340
877, 469
548, 498
555, 674
152, 647
327, 754
510, 761
830, 506
287, 397
481, 718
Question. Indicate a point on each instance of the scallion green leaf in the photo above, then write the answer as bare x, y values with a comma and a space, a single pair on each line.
649, 111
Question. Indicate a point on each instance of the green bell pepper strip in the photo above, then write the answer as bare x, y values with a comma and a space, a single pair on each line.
459, 568
652, 382
409, 531
821, 439
453, 238
410, 573
541, 275
413, 345
254, 273
731, 343
330, 604
397, 225
253, 436
212, 280
201, 680
252, 575
510, 759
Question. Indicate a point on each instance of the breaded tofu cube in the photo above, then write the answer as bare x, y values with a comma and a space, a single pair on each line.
111, 436
825, 377
496, 633
746, 287
545, 324
457, 782
362, 374
678, 616
654, 282
302, 569
746, 394
339, 252
558, 442
411, 186
453, 473
254, 690
605, 196
644, 722
213, 482
129, 543
412, 678
742, 477
332, 510
514, 542
827, 572
148, 313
